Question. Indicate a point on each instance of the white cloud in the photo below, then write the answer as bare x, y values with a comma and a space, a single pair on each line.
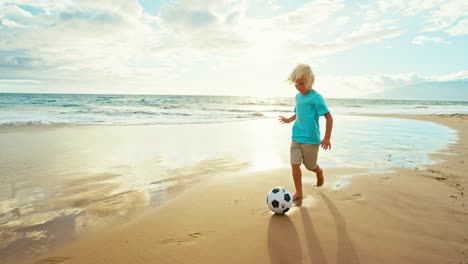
437, 14
459, 29
366, 33
414, 7
375, 31
14, 12
454, 76
355, 86
8, 81
13, 16
305, 19
342, 20
420, 40
9, 23
445, 15
274, 4
193, 25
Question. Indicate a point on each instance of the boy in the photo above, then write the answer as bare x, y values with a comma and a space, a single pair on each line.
306, 131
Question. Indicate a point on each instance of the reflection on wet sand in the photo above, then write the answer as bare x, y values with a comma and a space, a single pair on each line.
68, 208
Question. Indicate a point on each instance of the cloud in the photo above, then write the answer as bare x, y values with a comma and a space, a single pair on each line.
373, 28
420, 40
18, 81
374, 32
366, 33
305, 19
13, 16
153, 7
454, 76
5, 22
410, 7
355, 86
181, 20
211, 26
94, 16
18, 59
436, 14
445, 15
342, 20
459, 29
14, 12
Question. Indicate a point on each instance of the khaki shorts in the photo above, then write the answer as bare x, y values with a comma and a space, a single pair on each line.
304, 153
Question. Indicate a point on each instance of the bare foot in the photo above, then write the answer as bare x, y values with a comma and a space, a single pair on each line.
320, 178
297, 196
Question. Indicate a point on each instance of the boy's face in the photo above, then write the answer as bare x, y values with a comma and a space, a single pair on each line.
301, 85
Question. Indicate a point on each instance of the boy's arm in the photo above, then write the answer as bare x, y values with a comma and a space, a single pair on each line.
325, 143
285, 120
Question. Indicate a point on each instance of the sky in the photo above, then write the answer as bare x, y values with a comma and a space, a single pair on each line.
225, 47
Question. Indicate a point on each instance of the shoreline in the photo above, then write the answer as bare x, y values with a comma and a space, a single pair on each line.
331, 225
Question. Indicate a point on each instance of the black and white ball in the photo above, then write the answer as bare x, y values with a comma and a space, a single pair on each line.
279, 200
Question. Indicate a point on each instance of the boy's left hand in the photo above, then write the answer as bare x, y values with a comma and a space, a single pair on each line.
325, 143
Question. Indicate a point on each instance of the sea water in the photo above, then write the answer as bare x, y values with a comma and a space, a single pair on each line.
17, 109
357, 140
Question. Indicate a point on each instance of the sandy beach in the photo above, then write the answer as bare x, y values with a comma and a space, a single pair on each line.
401, 215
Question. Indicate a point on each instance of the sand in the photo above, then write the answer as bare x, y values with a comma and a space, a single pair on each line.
416, 215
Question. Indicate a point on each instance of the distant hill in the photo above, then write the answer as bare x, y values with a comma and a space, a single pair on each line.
444, 91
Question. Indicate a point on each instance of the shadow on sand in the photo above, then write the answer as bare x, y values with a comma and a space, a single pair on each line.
346, 252
284, 244
283, 241
314, 250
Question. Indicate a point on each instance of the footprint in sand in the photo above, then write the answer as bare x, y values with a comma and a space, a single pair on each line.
385, 179
356, 197
182, 240
440, 178
52, 260
260, 211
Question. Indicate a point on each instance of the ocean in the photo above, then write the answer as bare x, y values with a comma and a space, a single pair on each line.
19, 109
381, 142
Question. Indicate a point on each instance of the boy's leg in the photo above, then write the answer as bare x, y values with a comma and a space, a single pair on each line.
310, 161
297, 176
296, 160
319, 173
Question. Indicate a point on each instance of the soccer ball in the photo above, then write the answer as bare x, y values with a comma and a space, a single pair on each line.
279, 200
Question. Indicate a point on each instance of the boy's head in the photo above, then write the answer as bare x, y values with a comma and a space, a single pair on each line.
302, 77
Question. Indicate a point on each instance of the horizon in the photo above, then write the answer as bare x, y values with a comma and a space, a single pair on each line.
232, 48
257, 97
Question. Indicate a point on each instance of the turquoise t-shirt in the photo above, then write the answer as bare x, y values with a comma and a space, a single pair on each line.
308, 109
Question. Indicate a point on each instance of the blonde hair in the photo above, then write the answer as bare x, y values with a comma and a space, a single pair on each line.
302, 70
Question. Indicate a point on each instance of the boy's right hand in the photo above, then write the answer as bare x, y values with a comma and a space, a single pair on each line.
284, 120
